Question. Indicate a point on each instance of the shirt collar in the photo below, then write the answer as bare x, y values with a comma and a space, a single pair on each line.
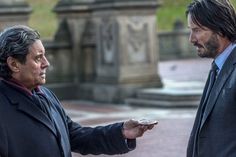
13, 82
220, 60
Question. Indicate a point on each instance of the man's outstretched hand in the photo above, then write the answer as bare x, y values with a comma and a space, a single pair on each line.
136, 128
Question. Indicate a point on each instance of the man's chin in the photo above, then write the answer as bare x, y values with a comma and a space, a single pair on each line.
201, 55
42, 82
204, 55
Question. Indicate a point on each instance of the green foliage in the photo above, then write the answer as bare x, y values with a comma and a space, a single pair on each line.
172, 10
44, 19
169, 12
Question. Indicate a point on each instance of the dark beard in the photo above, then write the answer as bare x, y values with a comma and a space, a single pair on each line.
212, 45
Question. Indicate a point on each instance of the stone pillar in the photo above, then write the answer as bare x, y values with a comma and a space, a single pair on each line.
75, 18
76, 15
14, 12
127, 53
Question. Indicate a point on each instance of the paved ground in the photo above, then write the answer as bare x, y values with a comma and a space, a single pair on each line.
169, 138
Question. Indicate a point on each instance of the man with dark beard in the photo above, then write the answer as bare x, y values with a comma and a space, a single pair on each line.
212, 26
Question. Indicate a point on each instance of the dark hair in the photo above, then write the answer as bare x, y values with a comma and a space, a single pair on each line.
217, 15
15, 42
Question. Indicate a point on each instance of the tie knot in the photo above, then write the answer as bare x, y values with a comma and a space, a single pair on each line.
214, 67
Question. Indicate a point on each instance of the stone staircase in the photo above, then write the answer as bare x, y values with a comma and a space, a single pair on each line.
173, 94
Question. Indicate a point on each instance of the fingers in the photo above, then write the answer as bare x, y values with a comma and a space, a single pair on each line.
132, 132
134, 122
150, 127
130, 124
142, 129
136, 128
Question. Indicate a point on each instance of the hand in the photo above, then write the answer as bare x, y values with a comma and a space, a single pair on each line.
133, 129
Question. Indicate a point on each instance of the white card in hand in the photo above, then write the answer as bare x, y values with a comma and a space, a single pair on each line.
147, 122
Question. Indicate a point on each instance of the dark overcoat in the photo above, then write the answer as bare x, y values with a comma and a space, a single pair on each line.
25, 131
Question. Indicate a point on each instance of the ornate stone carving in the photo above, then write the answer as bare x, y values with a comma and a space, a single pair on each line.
107, 37
137, 45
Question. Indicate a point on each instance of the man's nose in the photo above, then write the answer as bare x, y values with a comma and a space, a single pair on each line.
45, 62
192, 38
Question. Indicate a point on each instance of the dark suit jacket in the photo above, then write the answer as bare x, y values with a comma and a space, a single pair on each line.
216, 135
26, 132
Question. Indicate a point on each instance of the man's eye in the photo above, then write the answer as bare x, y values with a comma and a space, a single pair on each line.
197, 30
38, 59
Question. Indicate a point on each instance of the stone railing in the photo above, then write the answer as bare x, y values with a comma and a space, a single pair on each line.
175, 45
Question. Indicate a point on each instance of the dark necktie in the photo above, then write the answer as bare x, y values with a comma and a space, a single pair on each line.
211, 82
212, 78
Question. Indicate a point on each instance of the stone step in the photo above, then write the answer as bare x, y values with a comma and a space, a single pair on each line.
159, 103
174, 94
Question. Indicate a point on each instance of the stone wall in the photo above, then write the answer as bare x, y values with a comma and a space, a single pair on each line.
113, 47
61, 75
175, 45
14, 12
104, 50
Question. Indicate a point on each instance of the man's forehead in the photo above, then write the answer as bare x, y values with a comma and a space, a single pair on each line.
195, 24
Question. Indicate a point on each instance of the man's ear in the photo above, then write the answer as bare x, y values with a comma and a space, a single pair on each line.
13, 64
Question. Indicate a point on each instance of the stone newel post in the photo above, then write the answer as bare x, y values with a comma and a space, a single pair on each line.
127, 53
13, 12
113, 42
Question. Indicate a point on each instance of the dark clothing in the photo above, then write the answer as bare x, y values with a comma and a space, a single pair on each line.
26, 130
214, 131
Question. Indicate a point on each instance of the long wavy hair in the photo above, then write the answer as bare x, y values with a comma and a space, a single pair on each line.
15, 42
217, 15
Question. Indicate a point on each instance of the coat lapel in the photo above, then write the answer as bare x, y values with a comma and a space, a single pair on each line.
224, 74
31, 110
25, 105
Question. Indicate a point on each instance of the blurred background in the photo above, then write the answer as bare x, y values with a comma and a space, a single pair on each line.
112, 60
44, 19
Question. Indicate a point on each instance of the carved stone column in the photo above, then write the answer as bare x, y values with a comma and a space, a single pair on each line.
75, 14
114, 50
127, 53
75, 19
14, 12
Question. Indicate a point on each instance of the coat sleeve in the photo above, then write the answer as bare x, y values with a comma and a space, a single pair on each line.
99, 140
3, 142
3, 132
